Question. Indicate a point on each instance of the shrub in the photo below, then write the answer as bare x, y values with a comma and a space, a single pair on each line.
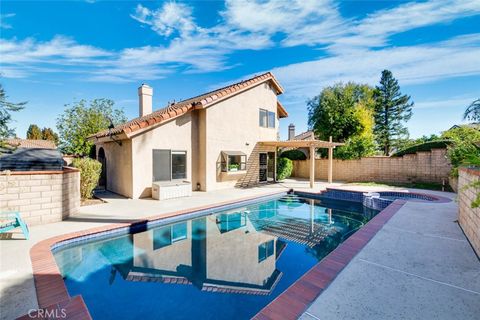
284, 168
463, 149
294, 155
89, 175
427, 146
356, 147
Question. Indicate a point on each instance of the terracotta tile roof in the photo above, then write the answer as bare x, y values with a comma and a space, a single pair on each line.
304, 136
182, 107
31, 143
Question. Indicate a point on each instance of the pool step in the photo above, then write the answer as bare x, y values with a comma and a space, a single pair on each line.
290, 198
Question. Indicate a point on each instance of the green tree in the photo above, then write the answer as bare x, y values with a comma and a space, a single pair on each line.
6, 108
79, 120
463, 150
473, 111
49, 134
34, 132
333, 111
344, 112
392, 110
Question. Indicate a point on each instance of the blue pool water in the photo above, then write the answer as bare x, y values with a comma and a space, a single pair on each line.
224, 265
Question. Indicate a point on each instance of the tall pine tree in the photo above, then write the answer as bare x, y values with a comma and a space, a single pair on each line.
392, 110
34, 132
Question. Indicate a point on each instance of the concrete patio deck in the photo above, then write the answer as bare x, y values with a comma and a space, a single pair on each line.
418, 266
454, 267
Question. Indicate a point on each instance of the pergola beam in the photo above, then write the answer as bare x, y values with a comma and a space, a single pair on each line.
312, 145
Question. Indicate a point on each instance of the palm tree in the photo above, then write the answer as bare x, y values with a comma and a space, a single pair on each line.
473, 111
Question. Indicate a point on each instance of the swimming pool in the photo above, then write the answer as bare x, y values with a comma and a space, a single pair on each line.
222, 265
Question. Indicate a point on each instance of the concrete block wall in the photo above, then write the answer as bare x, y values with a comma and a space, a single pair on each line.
468, 217
430, 166
41, 196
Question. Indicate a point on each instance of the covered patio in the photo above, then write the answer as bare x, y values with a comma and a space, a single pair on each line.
312, 145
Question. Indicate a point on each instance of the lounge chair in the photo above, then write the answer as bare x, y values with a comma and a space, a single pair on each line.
12, 220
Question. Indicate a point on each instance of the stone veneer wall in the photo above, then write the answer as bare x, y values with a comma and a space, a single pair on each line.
468, 217
41, 196
429, 166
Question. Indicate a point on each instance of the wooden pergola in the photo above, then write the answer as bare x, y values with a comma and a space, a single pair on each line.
312, 145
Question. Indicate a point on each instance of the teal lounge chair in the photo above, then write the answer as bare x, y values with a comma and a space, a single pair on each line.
12, 220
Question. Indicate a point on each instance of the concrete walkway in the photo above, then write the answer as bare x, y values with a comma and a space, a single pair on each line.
418, 266
17, 291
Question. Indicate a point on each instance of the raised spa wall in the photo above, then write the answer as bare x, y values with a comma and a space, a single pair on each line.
40, 196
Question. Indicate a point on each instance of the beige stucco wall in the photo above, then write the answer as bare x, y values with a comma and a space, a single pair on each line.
230, 125
173, 135
468, 217
40, 197
421, 167
119, 166
233, 125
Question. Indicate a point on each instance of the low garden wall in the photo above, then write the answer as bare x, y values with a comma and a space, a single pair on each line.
429, 166
40, 196
468, 217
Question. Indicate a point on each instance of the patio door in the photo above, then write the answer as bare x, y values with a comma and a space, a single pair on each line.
266, 167
271, 166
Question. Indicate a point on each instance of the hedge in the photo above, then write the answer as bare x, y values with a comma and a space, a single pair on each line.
90, 171
284, 168
294, 155
427, 146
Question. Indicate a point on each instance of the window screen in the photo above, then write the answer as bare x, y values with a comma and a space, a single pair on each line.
271, 119
161, 165
179, 164
263, 118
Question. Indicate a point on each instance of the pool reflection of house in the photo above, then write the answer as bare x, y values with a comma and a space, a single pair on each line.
232, 252
221, 253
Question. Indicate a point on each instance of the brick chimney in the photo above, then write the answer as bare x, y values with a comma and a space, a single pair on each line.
145, 93
291, 131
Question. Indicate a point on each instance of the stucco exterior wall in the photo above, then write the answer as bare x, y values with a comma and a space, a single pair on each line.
177, 135
233, 125
468, 217
119, 166
41, 197
230, 125
421, 167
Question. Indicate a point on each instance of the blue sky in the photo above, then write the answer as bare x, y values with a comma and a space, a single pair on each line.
54, 53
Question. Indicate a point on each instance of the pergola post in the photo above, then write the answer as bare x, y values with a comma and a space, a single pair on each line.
312, 166
330, 162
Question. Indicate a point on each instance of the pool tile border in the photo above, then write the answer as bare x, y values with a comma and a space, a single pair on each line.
49, 285
294, 301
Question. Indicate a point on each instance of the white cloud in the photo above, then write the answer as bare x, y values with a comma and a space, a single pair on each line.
459, 102
166, 20
357, 49
59, 48
374, 30
410, 64
3, 24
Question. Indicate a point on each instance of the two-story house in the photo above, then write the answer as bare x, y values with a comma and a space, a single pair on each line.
205, 143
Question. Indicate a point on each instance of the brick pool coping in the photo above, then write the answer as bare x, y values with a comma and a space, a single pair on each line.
294, 301
52, 293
